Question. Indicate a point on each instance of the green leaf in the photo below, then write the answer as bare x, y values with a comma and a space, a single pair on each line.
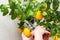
20, 10
58, 15
53, 32
12, 4
44, 13
48, 18
37, 7
4, 9
19, 1
30, 19
28, 13
43, 4
48, 3
11, 12
28, 7
0, 7
14, 14
48, 25
58, 26
55, 4
21, 24
23, 18
11, 0
28, 10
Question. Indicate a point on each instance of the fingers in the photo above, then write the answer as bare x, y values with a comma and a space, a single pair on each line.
47, 32
41, 27
41, 30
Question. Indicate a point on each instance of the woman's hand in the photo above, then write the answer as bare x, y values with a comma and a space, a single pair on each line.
38, 33
39, 30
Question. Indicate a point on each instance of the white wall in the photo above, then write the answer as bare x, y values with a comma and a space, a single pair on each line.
8, 27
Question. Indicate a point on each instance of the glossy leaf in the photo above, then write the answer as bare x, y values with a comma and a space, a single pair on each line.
19, 1
58, 15
4, 9
28, 13
23, 18
12, 4
48, 3
55, 4
21, 24
14, 14
37, 7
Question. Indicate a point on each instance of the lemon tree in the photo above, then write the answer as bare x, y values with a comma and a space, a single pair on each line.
30, 11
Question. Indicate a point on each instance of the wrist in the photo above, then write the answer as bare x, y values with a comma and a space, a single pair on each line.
38, 37
26, 38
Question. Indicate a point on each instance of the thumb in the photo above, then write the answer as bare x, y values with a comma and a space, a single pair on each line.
47, 32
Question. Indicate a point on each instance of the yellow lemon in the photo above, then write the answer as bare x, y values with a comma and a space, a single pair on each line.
38, 15
55, 37
27, 32
19, 17
20, 30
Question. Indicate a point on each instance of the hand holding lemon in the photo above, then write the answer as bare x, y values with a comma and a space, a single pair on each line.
27, 35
